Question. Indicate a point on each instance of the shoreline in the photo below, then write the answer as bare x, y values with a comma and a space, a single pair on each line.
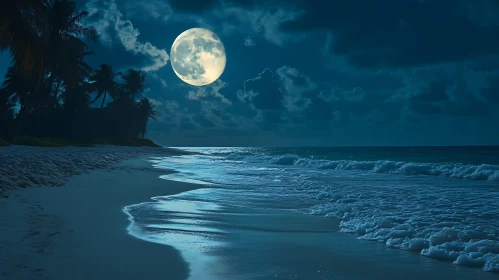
79, 231
32, 166
83, 231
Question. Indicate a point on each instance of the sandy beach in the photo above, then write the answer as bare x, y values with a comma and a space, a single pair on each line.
138, 219
78, 231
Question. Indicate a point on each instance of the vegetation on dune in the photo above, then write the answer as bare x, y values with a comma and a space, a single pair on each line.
45, 99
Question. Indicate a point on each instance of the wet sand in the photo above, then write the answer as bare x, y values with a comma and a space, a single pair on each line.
222, 241
78, 231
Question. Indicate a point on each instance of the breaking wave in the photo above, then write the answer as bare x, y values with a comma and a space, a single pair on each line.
450, 170
447, 223
412, 204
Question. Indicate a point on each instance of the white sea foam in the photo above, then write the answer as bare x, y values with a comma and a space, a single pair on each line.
457, 224
451, 170
446, 211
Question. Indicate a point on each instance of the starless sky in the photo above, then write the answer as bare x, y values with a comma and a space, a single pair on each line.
310, 72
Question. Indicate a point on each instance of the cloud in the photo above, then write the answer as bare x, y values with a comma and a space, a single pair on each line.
210, 91
483, 13
155, 9
183, 6
202, 108
447, 90
215, 106
287, 98
249, 41
295, 87
104, 14
277, 97
327, 45
161, 81
395, 34
262, 92
260, 20
101, 19
202, 121
338, 94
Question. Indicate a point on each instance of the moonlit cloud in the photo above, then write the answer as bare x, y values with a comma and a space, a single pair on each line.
426, 68
155, 9
105, 14
254, 22
159, 79
210, 91
249, 42
294, 86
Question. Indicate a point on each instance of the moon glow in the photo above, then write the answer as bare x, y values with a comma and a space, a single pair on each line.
198, 56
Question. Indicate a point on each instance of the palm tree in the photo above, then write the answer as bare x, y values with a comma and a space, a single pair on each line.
103, 82
146, 111
19, 31
77, 97
49, 72
134, 82
19, 88
64, 48
6, 112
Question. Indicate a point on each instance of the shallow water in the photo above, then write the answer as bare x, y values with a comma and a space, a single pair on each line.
309, 214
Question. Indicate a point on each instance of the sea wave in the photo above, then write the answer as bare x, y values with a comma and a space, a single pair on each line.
450, 170
456, 225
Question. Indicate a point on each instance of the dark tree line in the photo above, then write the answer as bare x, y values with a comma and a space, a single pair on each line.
48, 87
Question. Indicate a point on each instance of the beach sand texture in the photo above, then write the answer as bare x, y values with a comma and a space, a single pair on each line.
79, 231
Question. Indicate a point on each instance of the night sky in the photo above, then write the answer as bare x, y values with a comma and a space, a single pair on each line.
357, 72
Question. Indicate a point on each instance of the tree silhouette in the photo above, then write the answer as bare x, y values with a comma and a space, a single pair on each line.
134, 82
146, 111
6, 112
19, 88
64, 48
104, 83
50, 81
19, 20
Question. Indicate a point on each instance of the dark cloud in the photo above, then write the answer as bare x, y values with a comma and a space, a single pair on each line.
392, 33
290, 97
483, 12
262, 92
464, 102
435, 92
357, 72
198, 7
491, 91
450, 92
190, 7
320, 110
377, 72
202, 120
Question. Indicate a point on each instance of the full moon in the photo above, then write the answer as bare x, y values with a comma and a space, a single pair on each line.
198, 56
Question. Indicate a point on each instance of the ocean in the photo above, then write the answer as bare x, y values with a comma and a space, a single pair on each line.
330, 213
